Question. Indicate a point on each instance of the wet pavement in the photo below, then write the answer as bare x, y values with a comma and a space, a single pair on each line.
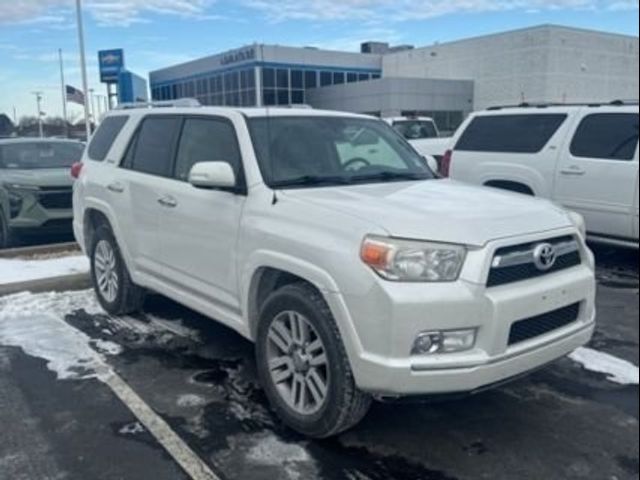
562, 422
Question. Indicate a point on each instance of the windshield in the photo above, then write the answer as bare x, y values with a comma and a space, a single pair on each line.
416, 129
32, 155
308, 151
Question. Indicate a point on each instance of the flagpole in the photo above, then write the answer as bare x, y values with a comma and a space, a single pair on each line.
83, 68
63, 88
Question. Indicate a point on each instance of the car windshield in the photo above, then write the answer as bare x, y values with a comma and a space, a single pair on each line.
327, 151
32, 155
415, 129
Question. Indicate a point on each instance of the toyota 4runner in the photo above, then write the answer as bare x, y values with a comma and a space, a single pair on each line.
325, 239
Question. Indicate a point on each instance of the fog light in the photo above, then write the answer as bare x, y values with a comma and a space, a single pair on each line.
427, 342
446, 341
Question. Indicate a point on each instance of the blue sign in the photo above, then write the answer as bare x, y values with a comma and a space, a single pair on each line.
111, 64
132, 88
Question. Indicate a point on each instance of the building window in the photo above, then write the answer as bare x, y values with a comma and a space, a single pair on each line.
375, 76
325, 79
269, 96
352, 77
310, 79
282, 78
338, 78
296, 79
283, 97
268, 78
363, 77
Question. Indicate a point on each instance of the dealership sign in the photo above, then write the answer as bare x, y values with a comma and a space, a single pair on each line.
111, 63
238, 56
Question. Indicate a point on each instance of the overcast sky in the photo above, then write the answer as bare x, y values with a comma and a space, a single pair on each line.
157, 33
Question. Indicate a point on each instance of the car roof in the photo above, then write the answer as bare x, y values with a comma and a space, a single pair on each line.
556, 108
17, 140
251, 112
407, 118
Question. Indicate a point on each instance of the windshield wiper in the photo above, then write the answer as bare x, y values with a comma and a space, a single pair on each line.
391, 176
311, 180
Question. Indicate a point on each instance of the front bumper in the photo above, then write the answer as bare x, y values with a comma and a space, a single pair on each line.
383, 324
42, 212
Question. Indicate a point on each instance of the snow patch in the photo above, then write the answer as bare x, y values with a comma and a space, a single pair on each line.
35, 324
106, 347
616, 369
134, 428
13, 270
191, 400
270, 450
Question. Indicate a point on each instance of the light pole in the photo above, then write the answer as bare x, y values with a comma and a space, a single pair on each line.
38, 101
83, 68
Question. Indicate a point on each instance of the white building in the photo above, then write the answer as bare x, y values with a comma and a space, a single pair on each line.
546, 63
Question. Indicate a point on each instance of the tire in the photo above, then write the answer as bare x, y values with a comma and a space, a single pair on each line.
119, 295
342, 405
6, 237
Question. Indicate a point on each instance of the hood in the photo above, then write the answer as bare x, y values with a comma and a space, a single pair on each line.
39, 177
440, 210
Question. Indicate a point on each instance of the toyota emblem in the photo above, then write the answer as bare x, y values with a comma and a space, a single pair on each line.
544, 256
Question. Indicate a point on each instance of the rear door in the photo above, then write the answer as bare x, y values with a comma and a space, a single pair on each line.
597, 173
199, 227
148, 162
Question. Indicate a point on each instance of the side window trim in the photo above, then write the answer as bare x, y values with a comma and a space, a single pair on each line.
133, 144
241, 188
574, 139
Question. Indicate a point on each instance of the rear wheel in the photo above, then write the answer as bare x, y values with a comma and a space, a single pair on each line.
303, 366
112, 283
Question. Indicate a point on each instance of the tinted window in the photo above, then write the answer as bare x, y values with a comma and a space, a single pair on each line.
155, 145
104, 137
510, 133
205, 140
612, 136
31, 155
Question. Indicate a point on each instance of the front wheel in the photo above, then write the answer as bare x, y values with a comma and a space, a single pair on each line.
112, 283
303, 366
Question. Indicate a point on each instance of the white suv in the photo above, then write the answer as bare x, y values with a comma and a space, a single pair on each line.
324, 238
585, 157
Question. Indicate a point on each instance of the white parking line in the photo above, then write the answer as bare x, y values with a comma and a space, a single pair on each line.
172, 443
35, 324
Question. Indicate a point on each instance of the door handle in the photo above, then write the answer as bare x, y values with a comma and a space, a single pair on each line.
573, 170
116, 187
168, 201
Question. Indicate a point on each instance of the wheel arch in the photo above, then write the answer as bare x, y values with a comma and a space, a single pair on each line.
511, 185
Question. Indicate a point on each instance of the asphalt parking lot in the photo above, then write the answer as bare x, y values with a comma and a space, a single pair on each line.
562, 422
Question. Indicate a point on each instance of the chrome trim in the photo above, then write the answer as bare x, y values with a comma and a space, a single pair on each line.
526, 257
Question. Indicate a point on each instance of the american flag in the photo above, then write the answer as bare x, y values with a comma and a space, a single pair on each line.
74, 95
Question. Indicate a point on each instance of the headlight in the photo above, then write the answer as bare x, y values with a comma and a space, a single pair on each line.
578, 222
413, 261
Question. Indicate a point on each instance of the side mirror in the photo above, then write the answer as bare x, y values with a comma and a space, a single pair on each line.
212, 175
431, 162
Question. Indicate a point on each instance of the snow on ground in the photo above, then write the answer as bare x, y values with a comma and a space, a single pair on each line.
35, 324
616, 369
13, 270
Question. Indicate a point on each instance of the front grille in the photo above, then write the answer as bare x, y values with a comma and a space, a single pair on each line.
540, 324
515, 263
56, 200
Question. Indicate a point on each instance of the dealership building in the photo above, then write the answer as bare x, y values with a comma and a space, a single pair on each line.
546, 63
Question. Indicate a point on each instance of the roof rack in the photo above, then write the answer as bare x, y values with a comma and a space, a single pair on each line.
557, 104
179, 103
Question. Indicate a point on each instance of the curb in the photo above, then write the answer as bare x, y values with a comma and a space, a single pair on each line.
39, 250
76, 281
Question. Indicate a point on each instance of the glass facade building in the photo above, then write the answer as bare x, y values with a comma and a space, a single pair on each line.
248, 86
